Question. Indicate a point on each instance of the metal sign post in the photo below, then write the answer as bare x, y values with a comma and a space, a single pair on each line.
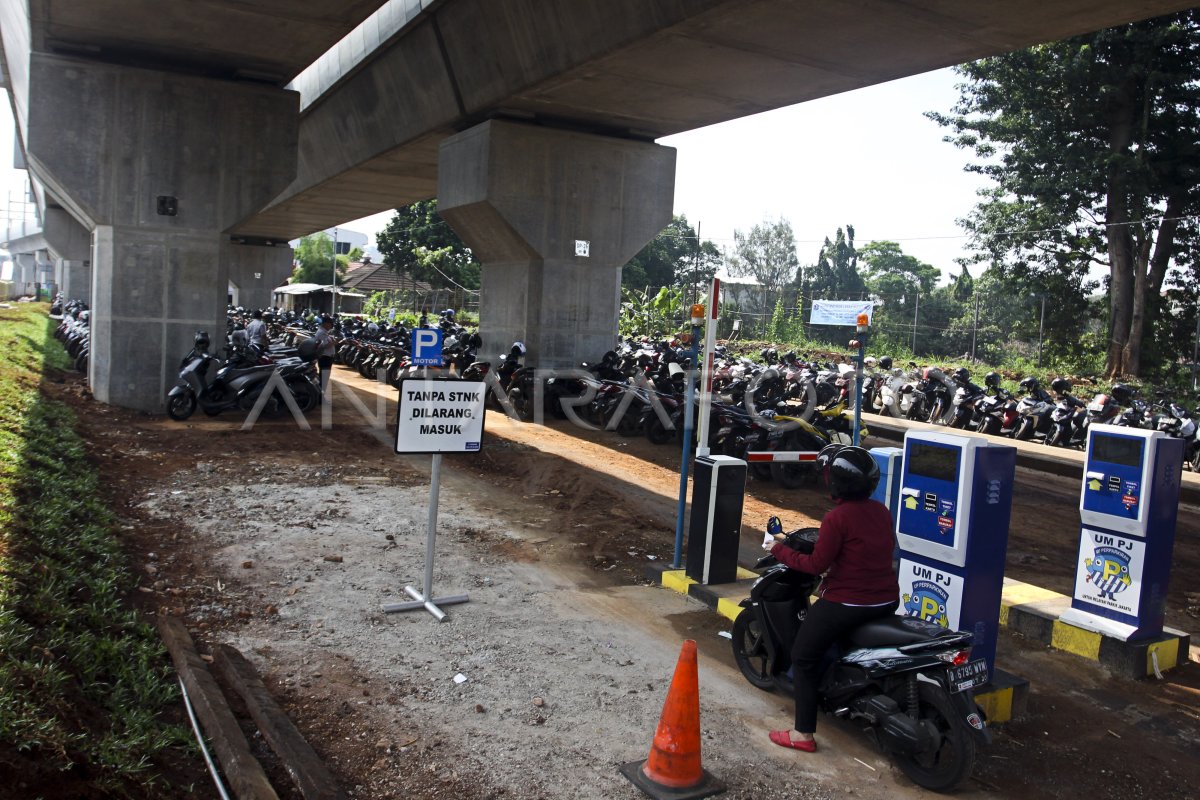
710, 343
442, 415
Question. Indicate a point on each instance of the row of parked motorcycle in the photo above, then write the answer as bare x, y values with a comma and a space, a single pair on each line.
73, 330
779, 402
1058, 417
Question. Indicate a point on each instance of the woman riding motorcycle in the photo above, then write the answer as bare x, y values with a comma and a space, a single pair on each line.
854, 552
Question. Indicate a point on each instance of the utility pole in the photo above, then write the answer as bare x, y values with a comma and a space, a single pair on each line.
975, 327
333, 299
1042, 330
916, 310
1196, 351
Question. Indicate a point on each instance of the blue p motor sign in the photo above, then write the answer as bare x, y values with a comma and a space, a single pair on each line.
426, 347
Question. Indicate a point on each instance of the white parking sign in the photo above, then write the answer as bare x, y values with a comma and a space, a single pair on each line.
426, 347
440, 416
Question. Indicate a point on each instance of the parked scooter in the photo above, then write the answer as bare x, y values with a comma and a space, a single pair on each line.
237, 385
909, 680
1034, 408
1069, 414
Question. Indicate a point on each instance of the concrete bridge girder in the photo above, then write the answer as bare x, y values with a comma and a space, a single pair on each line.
552, 216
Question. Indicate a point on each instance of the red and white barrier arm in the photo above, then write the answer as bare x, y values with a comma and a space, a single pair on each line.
782, 455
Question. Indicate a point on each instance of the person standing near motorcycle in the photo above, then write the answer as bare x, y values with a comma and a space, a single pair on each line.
256, 331
854, 552
325, 351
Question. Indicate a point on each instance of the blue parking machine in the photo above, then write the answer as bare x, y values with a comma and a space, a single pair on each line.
952, 528
1127, 510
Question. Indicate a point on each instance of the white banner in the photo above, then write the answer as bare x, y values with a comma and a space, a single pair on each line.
840, 312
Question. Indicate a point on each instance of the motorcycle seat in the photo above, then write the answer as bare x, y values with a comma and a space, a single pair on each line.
896, 630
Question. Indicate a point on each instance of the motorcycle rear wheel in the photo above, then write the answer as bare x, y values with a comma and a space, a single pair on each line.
791, 475
657, 433
181, 406
306, 395
750, 650
952, 762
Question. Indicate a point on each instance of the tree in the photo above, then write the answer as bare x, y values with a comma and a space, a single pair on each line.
835, 275
676, 256
419, 243
1095, 151
891, 274
315, 260
768, 253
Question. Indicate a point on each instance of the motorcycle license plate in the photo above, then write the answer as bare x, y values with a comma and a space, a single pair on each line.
969, 675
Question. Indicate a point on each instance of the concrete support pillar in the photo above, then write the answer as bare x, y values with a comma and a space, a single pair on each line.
76, 280
553, 216
159, 166
256, 270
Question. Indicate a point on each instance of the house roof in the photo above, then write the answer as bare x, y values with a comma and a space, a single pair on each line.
370, 277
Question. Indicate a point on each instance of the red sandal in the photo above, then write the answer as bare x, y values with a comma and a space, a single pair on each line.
784, 739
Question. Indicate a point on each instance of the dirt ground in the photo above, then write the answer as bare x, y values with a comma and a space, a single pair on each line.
285, 543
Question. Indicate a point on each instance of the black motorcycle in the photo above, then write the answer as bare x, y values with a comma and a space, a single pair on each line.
238, 384
909, 680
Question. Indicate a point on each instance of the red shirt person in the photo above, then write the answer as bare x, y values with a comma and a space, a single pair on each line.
854, 553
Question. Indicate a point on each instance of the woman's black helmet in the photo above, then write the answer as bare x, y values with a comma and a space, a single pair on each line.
850, 472
1060, 385
991, 379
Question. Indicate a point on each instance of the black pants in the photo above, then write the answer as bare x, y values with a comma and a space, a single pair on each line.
324, 364
826, 623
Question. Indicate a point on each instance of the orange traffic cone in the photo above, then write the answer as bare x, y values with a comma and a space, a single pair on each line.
673, 771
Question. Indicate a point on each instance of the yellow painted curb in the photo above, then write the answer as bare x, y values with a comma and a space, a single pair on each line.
1168, 655
997, 705
745, 574
1075, 640
730, 609
678, 580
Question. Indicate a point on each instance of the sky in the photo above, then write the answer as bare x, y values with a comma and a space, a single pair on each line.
867, 158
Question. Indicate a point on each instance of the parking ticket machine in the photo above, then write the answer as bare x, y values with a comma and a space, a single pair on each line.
952, 529
1127, 510
887, 491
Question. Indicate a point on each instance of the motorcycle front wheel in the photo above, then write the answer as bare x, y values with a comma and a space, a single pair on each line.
951, 762
181, 406
750, 650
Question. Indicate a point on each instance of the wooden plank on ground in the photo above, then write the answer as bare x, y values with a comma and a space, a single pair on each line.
243, 772
308, 771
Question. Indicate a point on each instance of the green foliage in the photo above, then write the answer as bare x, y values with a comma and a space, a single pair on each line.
315, 259
1094, 150
835, 275
676, 256
82, 680
768, 254
419, 243
654, 314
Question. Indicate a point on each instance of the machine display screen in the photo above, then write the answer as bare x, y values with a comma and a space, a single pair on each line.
933, 461
1117, 450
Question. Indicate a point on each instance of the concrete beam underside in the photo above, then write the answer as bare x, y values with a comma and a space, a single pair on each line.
159, 166
524, 198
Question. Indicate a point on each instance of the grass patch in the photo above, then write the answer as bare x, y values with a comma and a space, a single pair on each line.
82, 681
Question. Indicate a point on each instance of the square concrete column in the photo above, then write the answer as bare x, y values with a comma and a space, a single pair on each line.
159, 166
552, 216
256, 270
152, 290
76, 280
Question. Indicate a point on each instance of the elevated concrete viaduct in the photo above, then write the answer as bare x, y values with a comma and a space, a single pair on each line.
190, 139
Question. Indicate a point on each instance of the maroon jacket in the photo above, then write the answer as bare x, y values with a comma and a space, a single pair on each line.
854, 551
